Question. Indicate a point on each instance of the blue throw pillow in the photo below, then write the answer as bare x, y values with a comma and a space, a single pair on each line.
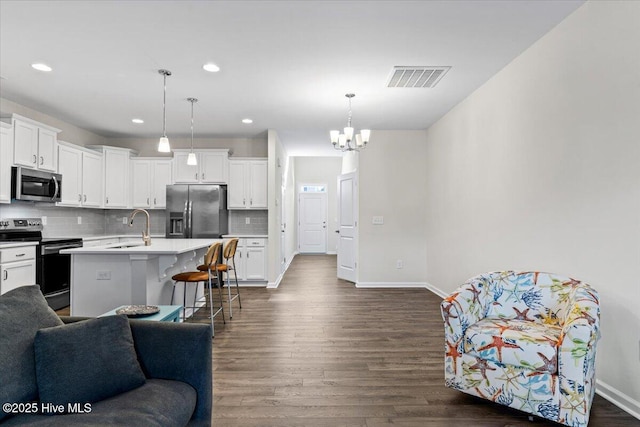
23, 311
87, 361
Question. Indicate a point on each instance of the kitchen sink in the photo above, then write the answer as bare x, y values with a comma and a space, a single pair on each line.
124, 245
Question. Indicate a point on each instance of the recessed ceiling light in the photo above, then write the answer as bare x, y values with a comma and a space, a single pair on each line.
41, 67
210, 67
138, 121
247, 121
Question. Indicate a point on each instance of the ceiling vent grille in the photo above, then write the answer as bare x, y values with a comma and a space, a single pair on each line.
417, 76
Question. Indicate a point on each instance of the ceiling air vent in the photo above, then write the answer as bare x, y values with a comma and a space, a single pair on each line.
416, 76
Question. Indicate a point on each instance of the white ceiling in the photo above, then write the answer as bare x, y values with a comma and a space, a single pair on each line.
285, 64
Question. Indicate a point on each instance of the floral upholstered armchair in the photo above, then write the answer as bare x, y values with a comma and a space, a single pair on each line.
525, 340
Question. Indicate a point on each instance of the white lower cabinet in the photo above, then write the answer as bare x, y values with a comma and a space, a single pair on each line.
251, 259
17, 267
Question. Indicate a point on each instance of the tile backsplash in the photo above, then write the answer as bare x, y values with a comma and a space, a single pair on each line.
258, 222
78, 222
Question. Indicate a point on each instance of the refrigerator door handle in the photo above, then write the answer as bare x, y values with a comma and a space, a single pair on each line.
190, 219
185, 220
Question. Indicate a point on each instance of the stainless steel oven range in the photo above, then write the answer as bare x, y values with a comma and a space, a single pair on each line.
53, 270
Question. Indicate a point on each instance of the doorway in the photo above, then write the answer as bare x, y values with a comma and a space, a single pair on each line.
312, 219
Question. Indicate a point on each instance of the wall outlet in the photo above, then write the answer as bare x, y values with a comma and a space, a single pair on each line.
247, 220
44, 220
103, 275
399, 264
378, 220
124, 220
79, 220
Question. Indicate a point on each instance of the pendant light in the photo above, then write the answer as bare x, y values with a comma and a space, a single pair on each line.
192, 160
163, 143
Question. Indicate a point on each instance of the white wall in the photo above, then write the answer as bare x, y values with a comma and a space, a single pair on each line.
392, 175
322, 170
69, 132
239, 147
540, 169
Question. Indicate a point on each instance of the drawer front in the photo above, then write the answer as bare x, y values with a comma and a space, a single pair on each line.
17, 254
254, 242
16, 274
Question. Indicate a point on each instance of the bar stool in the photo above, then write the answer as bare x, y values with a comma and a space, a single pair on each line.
210, 260
229, 255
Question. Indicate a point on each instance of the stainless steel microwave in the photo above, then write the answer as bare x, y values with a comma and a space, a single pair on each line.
35, 185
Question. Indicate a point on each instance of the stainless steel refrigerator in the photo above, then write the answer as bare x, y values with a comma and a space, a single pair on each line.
196, 211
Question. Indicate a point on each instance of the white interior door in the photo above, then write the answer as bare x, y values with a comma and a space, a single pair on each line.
348, 226
312, 220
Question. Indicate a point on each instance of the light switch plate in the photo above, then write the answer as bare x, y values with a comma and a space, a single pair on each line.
44, 220
124, 220
79, 220
378, 220
247, 220
103, 275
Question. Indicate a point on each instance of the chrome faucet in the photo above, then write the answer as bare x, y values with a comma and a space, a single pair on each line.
146, 237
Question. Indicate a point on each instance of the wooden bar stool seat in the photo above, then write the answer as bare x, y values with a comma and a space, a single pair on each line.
205, 276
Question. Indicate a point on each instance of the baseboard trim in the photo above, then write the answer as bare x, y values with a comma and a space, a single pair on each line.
442, 294
276, 283
391, 284
618, 398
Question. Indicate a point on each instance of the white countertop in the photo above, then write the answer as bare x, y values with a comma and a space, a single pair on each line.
244, 236
159, 246
5, 245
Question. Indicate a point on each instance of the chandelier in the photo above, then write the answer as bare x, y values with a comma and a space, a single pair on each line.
343, 141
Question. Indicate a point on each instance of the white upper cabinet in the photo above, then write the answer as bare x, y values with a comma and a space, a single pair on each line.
81, 175
162, 176
6, 154
212, 167
91, 179
247, 184
34, 144
116, 170
149, 180
116, 178
70, 167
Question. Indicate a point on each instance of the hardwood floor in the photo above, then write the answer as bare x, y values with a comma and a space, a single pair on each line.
319, 352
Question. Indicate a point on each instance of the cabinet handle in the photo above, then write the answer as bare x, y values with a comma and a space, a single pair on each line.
196, 176
79, 197
244, 202
154, 201
41, 160
107, 200
203, 176
85, 197
251, 201
147, 200
248, 254
6, 274
20, 255
35, 159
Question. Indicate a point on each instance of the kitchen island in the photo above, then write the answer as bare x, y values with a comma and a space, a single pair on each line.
125, 273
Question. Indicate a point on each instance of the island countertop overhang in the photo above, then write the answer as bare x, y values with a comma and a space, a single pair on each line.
136, 247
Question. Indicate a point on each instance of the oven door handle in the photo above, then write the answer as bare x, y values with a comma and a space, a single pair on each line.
54, 249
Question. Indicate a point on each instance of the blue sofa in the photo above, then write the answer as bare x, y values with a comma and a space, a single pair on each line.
174, 360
